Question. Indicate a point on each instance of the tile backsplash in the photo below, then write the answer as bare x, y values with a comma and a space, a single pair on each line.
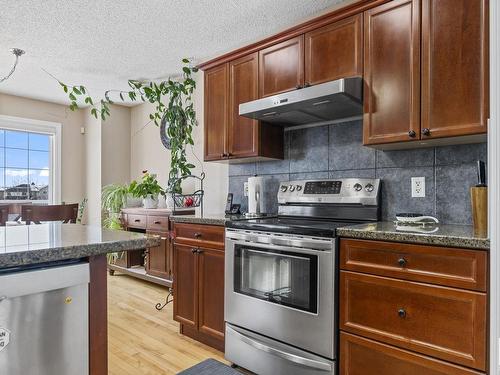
336, 151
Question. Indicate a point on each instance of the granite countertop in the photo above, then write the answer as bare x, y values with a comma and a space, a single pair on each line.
210, 219
24, 245
441, 235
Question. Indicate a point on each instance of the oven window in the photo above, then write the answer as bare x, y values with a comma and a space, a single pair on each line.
284, 278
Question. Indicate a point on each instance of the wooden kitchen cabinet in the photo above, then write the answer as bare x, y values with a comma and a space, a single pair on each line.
199, 282
397, 297
454, 68
451, 69
281, 67
334, 51
159, 258
356, 352
216, 112
243, 132
210, 298
392, 73
229, 136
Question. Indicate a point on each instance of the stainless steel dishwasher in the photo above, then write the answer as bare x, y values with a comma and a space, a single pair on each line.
44, 321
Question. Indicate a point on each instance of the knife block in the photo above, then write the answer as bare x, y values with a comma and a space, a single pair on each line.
479, 201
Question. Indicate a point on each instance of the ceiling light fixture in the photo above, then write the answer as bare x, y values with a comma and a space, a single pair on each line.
17, 52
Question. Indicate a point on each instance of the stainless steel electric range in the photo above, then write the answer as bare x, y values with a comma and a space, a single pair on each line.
280, 278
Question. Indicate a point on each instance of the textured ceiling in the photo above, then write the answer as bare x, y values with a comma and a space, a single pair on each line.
103, 43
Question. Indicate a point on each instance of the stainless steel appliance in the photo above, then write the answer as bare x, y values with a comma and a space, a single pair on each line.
280, 285
334, 100
44, 321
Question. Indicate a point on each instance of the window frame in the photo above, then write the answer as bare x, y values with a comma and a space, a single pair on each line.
43, 127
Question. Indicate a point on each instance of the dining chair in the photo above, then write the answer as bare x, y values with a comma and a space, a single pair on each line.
67, 213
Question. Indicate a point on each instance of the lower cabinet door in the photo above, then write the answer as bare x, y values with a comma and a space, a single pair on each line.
157, 260
211, 292
185, 285
446, 323
359, 356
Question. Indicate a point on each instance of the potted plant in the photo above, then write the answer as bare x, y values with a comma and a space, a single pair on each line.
148, 189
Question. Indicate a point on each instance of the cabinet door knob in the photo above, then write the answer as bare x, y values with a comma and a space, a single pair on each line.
412, 134
197, 235
402, 262
307, 84
402, 313
298, 87
194, 251
426, 131
199, 251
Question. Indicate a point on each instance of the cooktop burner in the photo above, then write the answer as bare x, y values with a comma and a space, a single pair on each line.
298, 226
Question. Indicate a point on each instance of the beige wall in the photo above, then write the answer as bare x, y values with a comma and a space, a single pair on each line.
92, 168
73, 144
147, 152
115, 146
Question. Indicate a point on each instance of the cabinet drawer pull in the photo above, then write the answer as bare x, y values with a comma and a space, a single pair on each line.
157, 222
163, 238
412, 134
197, 235
402, 313
402, 262
137, 220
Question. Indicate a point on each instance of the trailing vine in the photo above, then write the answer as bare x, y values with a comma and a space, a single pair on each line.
177, 110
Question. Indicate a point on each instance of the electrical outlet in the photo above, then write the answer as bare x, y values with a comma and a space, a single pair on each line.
418, 187
245, 189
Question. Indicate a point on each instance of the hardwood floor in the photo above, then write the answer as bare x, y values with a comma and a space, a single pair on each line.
142, 340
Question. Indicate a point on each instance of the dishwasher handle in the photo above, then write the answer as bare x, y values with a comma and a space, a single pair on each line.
21, 283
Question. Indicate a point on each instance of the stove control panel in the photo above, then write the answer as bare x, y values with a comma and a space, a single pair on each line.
346, 190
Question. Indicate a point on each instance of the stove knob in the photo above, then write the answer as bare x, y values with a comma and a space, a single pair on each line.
284, 188
369, 188
299, 187
291, 188
358, 187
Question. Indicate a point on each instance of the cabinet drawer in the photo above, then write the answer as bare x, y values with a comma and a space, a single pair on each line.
136, 221
197, 235
446, 323
157, 223
454, 267
357, 352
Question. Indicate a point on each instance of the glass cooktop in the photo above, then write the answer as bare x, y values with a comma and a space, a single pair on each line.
299, 226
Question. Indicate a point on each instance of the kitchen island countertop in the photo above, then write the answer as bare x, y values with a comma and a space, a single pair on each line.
441, 235
26, 245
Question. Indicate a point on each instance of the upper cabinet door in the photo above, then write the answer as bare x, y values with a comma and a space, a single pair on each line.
243, 133
454, 67
216, 112
392, 73
334, 51
281, 67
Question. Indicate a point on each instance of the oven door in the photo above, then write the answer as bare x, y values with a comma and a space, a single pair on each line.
282, 286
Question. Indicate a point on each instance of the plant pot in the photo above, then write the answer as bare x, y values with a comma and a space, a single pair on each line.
169, 200
162, 202
150, 201
132, 201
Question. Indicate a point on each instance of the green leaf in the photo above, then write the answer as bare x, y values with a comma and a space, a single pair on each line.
72, 97
121, 96
90, 100
185, 61
78, 92
82, 89
186, 70
93, 111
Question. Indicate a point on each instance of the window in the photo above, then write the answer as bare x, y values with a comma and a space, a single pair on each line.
29, 155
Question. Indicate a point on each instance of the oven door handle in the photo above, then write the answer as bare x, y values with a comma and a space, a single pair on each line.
311, 363
324, 245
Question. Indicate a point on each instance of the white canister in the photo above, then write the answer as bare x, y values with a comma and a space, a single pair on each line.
255, 195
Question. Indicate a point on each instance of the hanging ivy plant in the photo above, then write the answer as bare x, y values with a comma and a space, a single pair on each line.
173, 104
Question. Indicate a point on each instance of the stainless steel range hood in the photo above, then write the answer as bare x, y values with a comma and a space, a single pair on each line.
334, 100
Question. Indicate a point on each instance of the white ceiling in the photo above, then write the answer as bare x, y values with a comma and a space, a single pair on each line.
103, 43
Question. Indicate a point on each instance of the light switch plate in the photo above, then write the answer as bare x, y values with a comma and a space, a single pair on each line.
245, 189
418, 187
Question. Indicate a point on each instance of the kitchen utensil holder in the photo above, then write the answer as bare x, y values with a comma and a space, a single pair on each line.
180, 200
